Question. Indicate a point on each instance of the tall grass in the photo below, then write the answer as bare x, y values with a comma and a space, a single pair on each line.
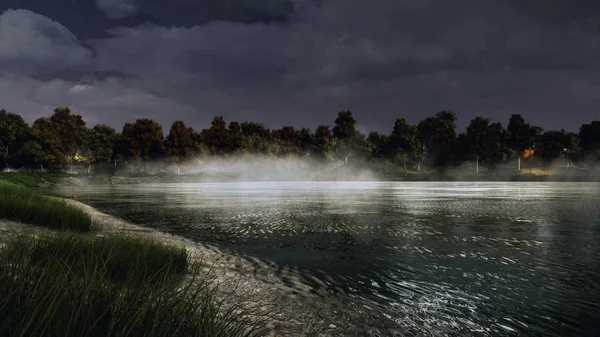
73, 285
20, 204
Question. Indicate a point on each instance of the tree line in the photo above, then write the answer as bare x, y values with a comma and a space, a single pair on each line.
63, 139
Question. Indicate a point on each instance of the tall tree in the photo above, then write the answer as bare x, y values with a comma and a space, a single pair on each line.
404, 144
589, 137
288, 141
349, 141
522, 136
144, 139
14, 131
485, 140
324, 143
71, 132
178, 144
217, 137
558, 144
98, 146
378, 143
256, 139
45, 147
438, 134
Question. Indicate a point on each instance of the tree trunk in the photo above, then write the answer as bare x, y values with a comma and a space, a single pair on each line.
42, 166
405, 170
519, 164
477, 165
178, 172
419, 167
89, 168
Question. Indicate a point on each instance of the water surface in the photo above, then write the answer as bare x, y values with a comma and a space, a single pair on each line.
489, 259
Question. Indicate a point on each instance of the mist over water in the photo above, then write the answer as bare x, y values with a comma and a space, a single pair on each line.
477, 259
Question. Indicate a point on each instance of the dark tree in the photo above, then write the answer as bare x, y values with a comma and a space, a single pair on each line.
144, 139
379, 144
589, 138
98, 145
45, 147
404, 145
324, 143
14, 131
217, 137
438, 134
71, 130
178, 144
349, 141
287, 140
485, 141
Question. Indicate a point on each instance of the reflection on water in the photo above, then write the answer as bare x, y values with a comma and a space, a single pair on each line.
488, 259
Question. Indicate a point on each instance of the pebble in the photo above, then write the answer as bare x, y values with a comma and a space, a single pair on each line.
332, 326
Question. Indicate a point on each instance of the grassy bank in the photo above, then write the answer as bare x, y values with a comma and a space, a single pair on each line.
22, 205
30, 179
69, 283
61, 284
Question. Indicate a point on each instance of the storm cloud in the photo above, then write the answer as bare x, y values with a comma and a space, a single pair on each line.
299, 62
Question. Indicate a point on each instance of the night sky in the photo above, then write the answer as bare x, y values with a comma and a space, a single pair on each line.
299, 62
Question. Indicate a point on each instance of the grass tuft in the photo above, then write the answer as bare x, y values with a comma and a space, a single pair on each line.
78, 285
20, 204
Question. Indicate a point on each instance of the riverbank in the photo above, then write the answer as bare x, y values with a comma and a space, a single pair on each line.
295, 310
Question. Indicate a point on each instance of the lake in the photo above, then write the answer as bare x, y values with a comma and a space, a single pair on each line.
430, 258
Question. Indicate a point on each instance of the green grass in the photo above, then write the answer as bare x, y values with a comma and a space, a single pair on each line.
123, 259
20, 204
30, 179
77, 285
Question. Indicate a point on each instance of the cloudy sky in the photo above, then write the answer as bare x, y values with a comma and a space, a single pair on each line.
299, 62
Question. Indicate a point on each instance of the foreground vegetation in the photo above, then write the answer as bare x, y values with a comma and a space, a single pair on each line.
68, 283
61, 284
23, 205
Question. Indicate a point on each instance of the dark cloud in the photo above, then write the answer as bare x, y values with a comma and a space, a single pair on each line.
293, 62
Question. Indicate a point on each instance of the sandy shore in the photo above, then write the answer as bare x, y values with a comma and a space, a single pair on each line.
294, 311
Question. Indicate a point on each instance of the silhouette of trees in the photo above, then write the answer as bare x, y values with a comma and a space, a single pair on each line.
59, 140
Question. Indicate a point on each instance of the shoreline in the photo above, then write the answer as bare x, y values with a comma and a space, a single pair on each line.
136, 180
291, 311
